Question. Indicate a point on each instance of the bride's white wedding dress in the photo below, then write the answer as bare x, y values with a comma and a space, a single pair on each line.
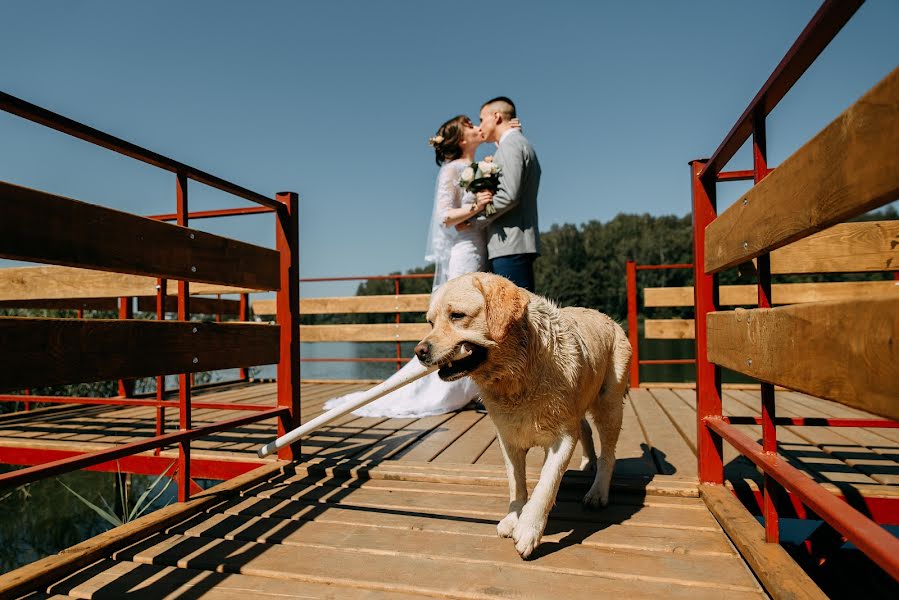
454, 253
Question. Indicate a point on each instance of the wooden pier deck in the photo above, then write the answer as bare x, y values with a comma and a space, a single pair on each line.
396, 508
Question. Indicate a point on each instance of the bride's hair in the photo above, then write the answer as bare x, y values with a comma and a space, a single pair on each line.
447, 141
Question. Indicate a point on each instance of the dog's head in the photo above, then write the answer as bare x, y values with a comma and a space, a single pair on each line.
469, 316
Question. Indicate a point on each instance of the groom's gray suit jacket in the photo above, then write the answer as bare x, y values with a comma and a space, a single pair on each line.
514, 229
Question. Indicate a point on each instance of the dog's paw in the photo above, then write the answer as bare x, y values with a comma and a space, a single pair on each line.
505, 527
596, 499
526, 537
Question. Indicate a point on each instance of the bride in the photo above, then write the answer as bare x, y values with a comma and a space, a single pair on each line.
455, 251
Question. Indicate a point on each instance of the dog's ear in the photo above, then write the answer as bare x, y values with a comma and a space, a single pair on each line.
504, 304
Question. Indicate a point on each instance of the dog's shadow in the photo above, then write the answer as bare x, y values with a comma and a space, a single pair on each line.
580, 523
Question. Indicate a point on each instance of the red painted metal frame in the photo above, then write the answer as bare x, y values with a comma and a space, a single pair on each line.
705, 300
663, 267
184, 380
372, 277
880, 509
287, 303
161, 291
35, 113
141, 464
763, 270
822, 28
668, 361
632, 332
87, 400
288, 245
209, 214
126, 311
89, 459
813, 422
872, 539
783, 484
631, 268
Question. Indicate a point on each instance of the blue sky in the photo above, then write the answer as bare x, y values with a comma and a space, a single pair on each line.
335, 100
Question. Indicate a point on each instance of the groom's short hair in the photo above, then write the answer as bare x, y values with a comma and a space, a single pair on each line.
502, 105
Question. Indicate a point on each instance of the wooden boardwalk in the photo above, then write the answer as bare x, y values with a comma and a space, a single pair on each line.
658, 436
405, 508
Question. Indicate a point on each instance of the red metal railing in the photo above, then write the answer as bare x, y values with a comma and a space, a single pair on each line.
399, 359
633, 334
285, 208
780, 479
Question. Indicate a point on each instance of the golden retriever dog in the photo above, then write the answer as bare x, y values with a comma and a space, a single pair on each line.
541, 370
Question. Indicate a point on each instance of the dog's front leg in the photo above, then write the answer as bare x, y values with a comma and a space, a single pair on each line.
535, 513
515, 458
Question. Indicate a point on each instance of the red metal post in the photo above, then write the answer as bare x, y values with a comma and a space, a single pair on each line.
705, 290
161, 294
183, 378
126, 311
632, 333
769, 412
287, 243
244, 316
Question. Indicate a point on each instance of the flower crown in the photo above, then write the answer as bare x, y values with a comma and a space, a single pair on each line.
434, 141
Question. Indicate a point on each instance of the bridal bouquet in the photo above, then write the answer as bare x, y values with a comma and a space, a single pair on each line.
481, 176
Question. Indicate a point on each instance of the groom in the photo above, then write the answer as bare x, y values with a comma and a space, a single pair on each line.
514, 237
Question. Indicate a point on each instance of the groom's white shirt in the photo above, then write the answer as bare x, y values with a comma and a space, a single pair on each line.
504, 136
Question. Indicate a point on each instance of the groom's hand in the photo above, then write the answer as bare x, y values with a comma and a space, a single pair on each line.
463, 225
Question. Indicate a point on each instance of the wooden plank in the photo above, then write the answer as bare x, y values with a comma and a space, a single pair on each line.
449, 546
633, 453
781, 293
842, 351
46, 228
847, 169
198, 305
470, 445
620, 536
52, 568
466, 577
668, 296
669, 329
479, 505
800, 446
45, 283
778, 572
56, 351
843, 248
671, 451
404, 437
440, 438
833, 409
352, 305
382, 332
125, 579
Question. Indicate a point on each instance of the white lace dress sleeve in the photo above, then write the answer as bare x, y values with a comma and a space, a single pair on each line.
447, 195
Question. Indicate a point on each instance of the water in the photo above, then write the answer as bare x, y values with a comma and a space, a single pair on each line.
42, 518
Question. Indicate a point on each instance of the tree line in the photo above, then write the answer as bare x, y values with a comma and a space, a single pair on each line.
584, 265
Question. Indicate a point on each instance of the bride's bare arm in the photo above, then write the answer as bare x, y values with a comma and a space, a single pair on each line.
455, 216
